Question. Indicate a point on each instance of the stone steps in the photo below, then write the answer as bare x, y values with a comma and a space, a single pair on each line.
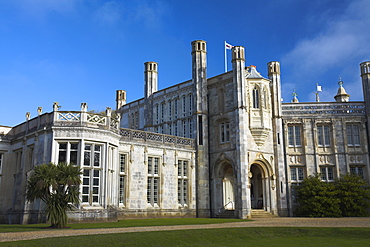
226, 214
260, 213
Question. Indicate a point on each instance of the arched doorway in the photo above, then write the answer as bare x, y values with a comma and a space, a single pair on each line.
228, 188
257, 188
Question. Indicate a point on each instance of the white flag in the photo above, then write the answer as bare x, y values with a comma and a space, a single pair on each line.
318, 88
228, 46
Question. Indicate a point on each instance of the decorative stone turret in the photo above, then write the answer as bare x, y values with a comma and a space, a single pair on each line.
200, 120
238, 61
295, 99
342, 95
151, 78
273, 69
120, 99
365, 75
241, 131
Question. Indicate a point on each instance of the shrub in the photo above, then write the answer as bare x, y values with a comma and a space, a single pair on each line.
354, 195
348, 196
317, 199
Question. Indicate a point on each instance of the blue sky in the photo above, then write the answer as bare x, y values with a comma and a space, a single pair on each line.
74, 51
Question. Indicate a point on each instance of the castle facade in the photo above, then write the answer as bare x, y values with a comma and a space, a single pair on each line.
207, 147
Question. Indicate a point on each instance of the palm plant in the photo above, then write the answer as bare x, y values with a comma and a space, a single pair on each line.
58, 187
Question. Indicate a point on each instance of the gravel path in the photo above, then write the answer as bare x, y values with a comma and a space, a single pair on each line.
258, 222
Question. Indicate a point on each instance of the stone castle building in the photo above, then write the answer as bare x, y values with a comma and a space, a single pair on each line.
207, 147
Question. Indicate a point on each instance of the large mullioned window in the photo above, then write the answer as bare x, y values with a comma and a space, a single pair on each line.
323, 134
153, 181
182, 182
353, 135
296, 174
294, 135
92, 174
327, 173
357, 170
296, 178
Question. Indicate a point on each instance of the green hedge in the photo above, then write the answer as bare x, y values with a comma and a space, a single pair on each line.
348, 196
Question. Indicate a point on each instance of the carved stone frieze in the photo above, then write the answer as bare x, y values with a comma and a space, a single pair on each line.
295, 159
326, 159
359, 159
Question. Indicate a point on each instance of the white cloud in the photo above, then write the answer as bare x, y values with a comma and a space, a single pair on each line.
40, 8
150, 15
343, 42
139, 13
109, 12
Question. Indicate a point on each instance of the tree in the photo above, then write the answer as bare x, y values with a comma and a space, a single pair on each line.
354, 195
317, 198
57, 186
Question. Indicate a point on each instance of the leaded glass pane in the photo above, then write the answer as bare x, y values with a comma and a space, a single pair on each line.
320, 135
122, 163
330, 173
300, 174
323, 173
185, 189
62, 156
121, 189
155, 190
156, 165
327, 135
185, 169
297, 135
349, 135
85, 190
150, 166
96, 159
356, 135
73, 158
360, 171
293, 174
179, 168
179, 183
149, 190
290, 136
62, 145
85, 198
86, 158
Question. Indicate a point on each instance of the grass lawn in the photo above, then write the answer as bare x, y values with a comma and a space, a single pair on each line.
121, 223
251, 236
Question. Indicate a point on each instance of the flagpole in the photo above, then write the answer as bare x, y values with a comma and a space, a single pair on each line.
225, 57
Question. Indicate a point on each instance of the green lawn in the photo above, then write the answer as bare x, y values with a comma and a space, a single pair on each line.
254, 236
122, 223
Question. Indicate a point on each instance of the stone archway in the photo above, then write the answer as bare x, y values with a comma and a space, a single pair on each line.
262, 185
223, 187
257, 188
228, 188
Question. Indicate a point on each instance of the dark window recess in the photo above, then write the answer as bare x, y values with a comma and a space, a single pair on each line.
200, 130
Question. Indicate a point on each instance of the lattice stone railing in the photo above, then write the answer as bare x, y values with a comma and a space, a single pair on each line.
64, 117
69, 116
353, 108
114, 123
155, 137
97, 119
